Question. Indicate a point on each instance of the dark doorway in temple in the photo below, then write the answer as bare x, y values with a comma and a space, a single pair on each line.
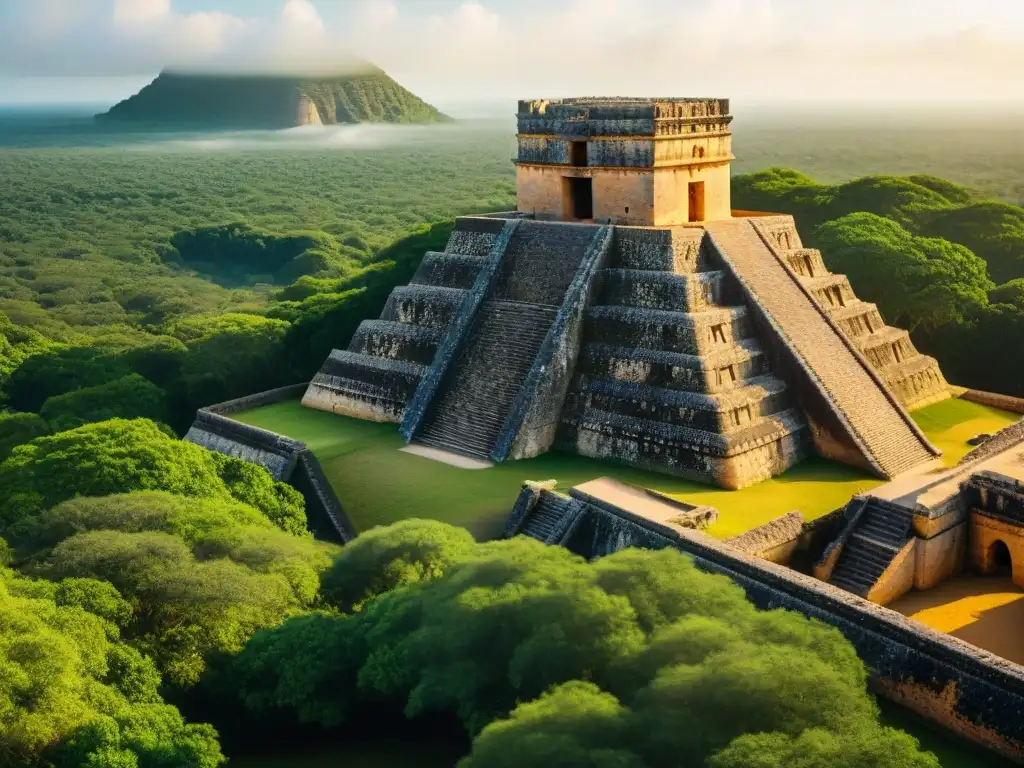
1002, 563
581, 198
579, 154
696, 201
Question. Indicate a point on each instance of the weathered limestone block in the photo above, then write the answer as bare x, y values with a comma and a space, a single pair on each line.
364, 387
718, 372
676, 251
451, 270
898, 578
697, 333
647, 289
429, 305
940, 557
396, 341
773, 541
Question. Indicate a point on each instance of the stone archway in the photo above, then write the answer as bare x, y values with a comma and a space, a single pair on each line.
999, 560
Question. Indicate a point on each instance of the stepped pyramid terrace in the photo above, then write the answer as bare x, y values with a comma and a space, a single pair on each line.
626, 312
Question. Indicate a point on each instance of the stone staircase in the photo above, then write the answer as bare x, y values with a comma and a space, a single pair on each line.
880, 534
386, 358
502, 345
481, 385
671, 376
875, 423
547, 517
914, 378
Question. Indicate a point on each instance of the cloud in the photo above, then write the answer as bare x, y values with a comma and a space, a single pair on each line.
502, 49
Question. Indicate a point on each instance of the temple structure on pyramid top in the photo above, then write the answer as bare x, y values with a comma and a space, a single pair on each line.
626, 312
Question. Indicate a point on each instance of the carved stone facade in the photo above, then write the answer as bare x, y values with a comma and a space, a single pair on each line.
642, 162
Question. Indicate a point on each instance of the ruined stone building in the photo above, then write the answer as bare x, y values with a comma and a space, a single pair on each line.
626, 312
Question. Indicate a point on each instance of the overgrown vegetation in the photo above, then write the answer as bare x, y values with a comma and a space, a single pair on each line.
635, 660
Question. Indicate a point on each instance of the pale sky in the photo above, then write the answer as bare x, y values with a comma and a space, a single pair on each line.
768, 51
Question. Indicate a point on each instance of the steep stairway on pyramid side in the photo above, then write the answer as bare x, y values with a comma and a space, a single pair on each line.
672, 377
914, 378
471, 408
547, 517
502, 346
874, 422
386, 358
877, 537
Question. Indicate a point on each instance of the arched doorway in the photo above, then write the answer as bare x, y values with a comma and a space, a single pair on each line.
1000, 560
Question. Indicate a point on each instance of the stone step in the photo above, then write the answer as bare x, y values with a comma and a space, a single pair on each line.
806, 262
364, 386
880, 534
617, 425
467, 240
661, 250
833, 292
503, 343
857, 319
397, 341
723, 413
917, 382
873, 421
694, 333
451, 270
541, 261
729, 369
429, 305
661, 290
886, 347
546, 518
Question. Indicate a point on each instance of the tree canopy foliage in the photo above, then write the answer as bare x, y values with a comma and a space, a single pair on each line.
201, 574
637, 659
120, 455
72, 695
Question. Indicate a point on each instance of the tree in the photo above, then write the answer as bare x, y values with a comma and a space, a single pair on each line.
201, 574
72, 695
231, 356
386, 558
916, 281
19, 428
118, 455
130, 397
637, 660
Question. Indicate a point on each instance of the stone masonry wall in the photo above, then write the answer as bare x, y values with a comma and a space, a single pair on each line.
954, 684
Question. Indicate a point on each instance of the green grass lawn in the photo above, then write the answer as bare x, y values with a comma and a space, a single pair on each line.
378, 484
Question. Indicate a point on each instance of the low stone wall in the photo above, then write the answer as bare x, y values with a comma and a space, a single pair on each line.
775, 540
269, 397
324, 514
275, 453
960, 687
287, 460
1003, 402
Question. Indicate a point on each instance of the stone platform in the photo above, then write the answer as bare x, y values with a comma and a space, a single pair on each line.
711, 352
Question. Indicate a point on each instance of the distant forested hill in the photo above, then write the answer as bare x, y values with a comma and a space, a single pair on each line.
263, 101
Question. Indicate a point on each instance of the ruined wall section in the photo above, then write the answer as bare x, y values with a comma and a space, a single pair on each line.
955, 685
287, 460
